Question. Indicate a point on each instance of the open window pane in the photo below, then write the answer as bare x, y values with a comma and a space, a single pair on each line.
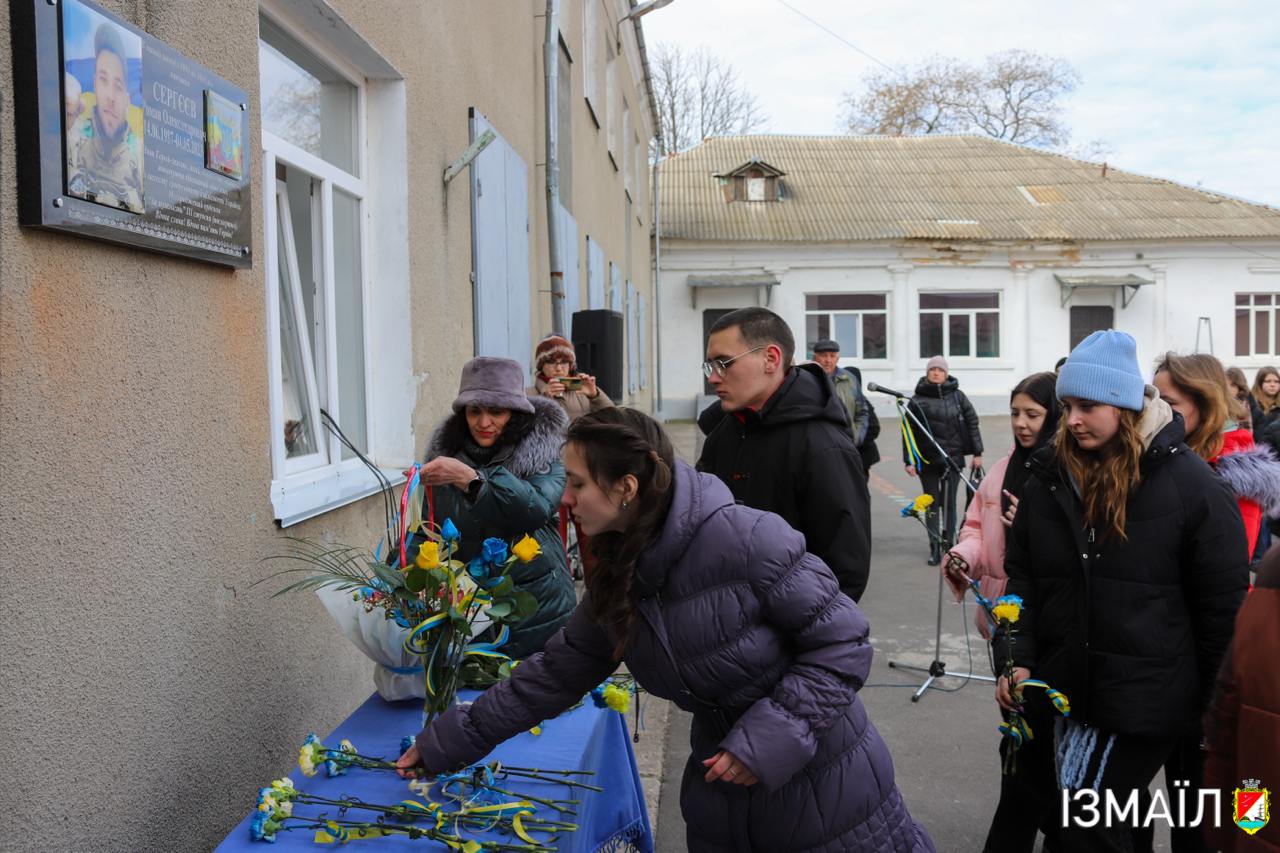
958, 331
304, 101
299, 428
930, 335
874, 339
349, 319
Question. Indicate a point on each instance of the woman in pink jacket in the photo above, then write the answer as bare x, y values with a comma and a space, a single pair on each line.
979, 553
1027, 797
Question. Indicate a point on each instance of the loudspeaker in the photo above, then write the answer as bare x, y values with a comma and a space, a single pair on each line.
598, 343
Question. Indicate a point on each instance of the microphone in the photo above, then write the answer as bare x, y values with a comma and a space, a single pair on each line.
871, 386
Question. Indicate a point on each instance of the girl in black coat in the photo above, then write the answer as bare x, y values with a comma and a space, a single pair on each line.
1129, 555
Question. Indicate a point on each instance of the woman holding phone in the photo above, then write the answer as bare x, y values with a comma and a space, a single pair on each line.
556, 376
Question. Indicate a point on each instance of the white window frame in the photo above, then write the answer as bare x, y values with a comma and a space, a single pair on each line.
309, 486
831, 313
1254, 310
948, 313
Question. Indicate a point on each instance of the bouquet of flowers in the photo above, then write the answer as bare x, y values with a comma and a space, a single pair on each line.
436, 603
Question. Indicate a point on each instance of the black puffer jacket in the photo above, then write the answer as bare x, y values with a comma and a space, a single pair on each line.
1131, 631
795, 457
950, 417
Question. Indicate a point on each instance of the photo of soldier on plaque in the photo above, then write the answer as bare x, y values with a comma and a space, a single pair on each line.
102, 99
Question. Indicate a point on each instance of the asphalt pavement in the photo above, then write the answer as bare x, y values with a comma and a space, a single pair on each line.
944, 746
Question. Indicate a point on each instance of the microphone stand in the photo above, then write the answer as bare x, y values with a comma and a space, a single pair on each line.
937, 667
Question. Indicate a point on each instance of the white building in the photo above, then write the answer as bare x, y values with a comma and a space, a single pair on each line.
998, 256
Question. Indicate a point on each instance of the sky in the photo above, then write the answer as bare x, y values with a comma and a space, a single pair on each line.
1180, 89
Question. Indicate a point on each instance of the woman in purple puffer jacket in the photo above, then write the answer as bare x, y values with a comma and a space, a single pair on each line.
718, 608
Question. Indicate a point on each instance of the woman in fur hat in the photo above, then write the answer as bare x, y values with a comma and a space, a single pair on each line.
494, 468
555, 362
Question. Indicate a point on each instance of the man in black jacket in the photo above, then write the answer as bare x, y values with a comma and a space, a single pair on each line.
779, 439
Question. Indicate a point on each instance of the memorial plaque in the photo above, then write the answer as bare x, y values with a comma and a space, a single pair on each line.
124, 139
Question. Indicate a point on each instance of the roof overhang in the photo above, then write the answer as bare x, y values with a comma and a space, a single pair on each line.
1128, 285
762, 282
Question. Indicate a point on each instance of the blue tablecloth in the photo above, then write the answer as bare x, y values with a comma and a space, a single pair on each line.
586, 738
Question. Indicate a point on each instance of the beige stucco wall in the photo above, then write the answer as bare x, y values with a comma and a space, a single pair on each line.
149, 686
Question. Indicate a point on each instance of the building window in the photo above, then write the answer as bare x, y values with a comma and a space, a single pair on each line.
564, 115
960, 324
856, 321
591, 57
611, 95
1258, 324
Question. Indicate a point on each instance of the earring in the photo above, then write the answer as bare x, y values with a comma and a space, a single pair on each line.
626, 504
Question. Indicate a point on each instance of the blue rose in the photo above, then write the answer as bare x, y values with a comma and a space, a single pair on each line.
494, 551
478, 569
449, 532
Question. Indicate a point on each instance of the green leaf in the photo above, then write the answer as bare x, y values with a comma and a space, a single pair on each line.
415, 580
502, 588
526, 604
500, 609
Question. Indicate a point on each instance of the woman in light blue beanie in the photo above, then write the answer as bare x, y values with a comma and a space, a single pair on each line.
1128, 553
1104, 368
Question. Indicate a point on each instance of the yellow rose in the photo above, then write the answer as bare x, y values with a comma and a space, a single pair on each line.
527, 549
617, 698
428, 556
922, 503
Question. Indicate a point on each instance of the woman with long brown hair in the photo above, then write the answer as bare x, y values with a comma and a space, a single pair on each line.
1196, 388
1266, 394
1238, 390
718, 608
1129, 555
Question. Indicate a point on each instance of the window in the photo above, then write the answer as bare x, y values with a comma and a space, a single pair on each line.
622, 152
611, 95
1258, 324
320, 259
856, 321
755, 186
642, 174
565, 124
960, 324
591, 57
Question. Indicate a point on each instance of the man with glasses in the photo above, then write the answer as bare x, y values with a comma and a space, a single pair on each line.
779, 438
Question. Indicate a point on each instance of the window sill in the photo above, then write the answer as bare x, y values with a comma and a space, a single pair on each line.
299, 497
591, 110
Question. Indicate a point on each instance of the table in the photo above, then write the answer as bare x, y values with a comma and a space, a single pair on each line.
586, 738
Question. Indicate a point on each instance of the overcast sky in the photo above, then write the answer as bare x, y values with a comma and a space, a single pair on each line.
1187, 90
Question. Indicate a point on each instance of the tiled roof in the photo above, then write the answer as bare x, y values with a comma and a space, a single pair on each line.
850, 188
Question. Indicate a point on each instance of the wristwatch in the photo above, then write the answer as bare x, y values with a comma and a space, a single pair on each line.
473, 488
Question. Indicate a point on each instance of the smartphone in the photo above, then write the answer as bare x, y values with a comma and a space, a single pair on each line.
571, 383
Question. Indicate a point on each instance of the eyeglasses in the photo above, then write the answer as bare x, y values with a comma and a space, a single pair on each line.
720, 366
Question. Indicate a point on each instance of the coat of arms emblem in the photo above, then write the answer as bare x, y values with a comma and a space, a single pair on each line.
1252, 806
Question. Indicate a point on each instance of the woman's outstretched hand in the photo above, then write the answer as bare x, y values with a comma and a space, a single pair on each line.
1007, 518
726, 766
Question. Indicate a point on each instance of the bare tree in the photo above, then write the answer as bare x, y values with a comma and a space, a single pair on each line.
699, 95
1015, 95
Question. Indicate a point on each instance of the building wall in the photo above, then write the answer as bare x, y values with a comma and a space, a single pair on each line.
1191, 281
146, 662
